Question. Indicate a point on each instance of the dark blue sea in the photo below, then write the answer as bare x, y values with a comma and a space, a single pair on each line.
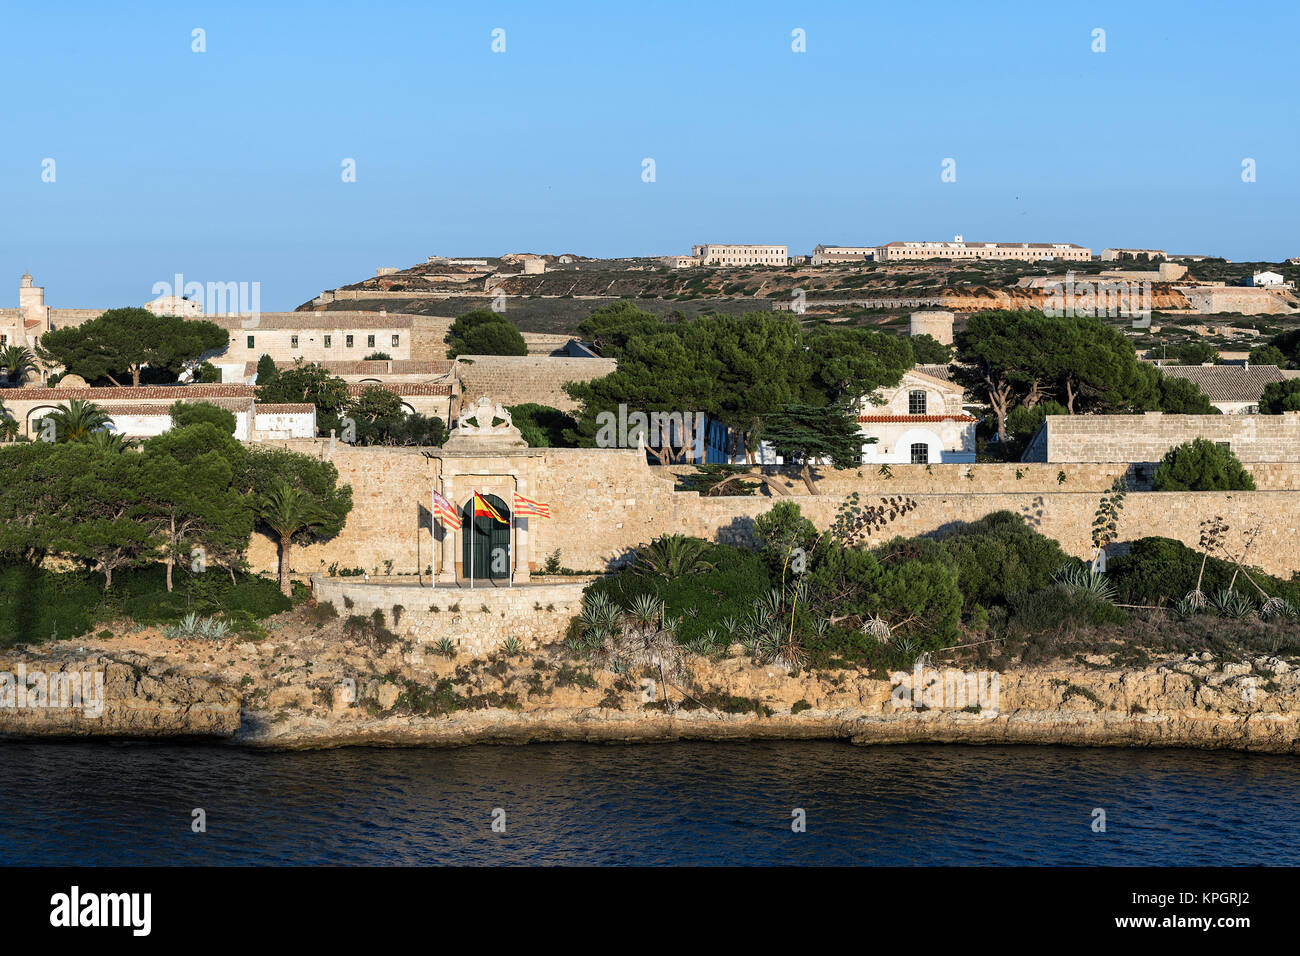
658, 804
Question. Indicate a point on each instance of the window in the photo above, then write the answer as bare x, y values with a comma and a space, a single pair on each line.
250, 341
370, 341
327, 341
916, 402
293, 341
395, 338
920, 453
347, 341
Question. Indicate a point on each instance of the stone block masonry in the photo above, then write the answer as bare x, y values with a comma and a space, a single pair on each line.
517, 379
606, 502
477, 621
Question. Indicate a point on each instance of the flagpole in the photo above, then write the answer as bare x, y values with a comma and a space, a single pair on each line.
473, 532
433, 542
513, 520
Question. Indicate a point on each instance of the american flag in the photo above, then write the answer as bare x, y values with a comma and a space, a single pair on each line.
525, 507
446, 511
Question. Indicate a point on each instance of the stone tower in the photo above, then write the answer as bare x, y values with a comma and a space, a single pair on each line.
934, 322
31, 309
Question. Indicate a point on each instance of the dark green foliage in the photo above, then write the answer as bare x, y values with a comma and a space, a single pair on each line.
1001, 556
1279, 397
807, 433
1060, 607
1196, 353
191, 413
118, 345
38, 605
1201, 465
724, 480
1178, 396
916, 596
734, 580
541, 425
379, 418
483, 332
1268, 355
1162, 570
309, 383
1023, 423
266, 370
780, 531
930, 351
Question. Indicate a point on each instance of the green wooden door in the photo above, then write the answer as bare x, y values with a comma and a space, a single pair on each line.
489, 542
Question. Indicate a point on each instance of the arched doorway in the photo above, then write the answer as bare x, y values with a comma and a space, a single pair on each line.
489, 542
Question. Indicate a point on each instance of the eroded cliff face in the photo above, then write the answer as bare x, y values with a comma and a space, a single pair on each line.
309, 688
75, 694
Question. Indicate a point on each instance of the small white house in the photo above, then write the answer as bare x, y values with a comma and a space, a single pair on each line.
920, 421
1266, 279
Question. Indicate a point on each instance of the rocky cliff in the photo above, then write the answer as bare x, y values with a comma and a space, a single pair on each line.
316, 685
75, 694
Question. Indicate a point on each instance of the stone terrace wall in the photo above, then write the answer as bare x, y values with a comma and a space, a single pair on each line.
1146, 438
536, 614
516, 379
608, 501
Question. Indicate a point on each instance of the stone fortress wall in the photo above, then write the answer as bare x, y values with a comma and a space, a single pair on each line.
516, 379
606, 502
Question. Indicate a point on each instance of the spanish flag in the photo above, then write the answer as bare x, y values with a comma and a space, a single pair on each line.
526, 507
482, 509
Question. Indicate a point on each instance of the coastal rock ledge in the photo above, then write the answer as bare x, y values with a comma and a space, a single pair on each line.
95, 696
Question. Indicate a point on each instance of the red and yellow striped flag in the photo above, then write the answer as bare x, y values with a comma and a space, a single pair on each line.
483, 509
445, 511
525, 507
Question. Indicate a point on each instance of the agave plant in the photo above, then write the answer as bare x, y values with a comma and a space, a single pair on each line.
513, 646
1187, 606
1231, 604
1078, 577
1195, 599
646, 610
446, 647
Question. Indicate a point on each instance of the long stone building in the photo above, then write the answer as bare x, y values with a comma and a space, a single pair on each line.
994, 251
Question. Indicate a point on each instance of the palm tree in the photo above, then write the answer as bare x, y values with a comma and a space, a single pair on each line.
671, 556
77, 420
108, 442
8, 426
16, 361
288, 511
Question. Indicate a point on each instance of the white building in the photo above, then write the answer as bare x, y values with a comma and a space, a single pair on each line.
721, 254
1267, 279
830, 255
920, 421
997, 251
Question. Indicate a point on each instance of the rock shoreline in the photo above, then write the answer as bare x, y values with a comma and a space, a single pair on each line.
313, 690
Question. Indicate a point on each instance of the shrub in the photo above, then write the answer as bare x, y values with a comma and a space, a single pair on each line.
1201, 465
1000, 557
722, 595
1162, 569
483, 332
1059, 608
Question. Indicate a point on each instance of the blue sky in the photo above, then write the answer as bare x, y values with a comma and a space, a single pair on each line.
226, 165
